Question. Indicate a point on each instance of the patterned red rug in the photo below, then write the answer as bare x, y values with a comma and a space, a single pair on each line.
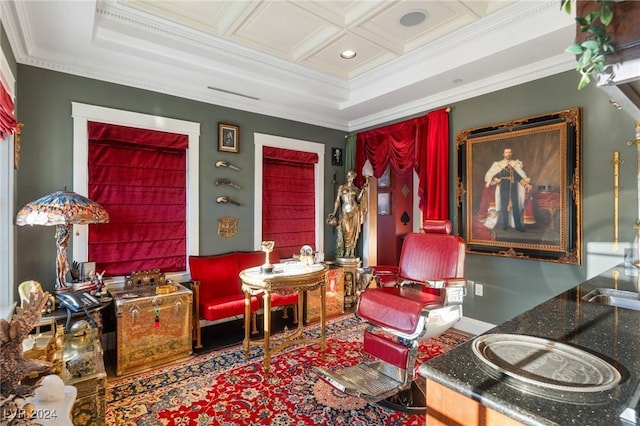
222, 388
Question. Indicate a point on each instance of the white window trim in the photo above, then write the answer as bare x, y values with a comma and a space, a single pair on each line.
82, 114
7, 199
261, 140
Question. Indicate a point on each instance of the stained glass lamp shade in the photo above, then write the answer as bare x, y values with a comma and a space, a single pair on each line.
62, 209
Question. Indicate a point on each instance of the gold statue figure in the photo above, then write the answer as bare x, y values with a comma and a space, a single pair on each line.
353, 203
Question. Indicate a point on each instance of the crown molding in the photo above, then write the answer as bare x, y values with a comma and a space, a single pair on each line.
286, 90
542, 69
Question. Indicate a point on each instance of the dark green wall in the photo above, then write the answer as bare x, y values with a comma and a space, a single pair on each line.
45, 108
511, 286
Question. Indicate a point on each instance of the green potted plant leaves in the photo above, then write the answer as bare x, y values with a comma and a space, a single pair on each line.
592, 51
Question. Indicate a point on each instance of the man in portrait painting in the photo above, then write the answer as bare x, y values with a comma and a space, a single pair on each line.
505, 191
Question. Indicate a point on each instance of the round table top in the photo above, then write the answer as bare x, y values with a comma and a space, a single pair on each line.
292, 274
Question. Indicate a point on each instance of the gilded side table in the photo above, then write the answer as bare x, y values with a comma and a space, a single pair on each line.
285, 278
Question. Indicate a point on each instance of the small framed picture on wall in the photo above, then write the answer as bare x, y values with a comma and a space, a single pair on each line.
228, 136
336, 156
384, 203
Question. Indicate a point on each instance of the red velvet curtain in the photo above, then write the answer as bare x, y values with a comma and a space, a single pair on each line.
139, 177
288, 199
7, 118
393, 145
420, 144
433, 167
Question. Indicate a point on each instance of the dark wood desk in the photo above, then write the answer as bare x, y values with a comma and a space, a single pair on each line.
61, 315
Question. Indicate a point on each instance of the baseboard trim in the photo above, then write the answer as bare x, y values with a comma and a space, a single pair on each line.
473, 326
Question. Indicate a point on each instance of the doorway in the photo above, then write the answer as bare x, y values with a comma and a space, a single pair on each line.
394, 215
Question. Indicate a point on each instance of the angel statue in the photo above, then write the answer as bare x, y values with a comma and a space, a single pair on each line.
12, 364
352, 202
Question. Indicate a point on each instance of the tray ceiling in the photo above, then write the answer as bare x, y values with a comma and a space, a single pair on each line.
281, 58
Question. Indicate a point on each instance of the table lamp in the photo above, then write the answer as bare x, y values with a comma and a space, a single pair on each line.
62, 209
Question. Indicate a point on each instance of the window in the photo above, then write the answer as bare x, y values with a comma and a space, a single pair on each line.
82, 115
261, 141
139, 177
288, 199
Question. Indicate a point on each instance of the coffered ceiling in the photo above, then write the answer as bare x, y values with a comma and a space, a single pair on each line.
282, 57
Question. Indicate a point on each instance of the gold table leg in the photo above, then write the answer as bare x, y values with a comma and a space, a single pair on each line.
300, 309
267, 332
323, 315
247, 320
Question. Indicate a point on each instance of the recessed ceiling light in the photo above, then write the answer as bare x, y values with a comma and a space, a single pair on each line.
348, 54
413, 18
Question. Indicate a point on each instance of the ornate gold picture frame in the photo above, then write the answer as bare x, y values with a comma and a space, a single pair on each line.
519, 188
228, 136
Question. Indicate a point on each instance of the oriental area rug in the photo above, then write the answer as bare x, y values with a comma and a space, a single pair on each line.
222, 388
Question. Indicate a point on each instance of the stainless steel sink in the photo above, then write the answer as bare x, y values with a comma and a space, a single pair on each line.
613, 297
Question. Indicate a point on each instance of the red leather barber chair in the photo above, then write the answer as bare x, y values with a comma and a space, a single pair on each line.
419, 299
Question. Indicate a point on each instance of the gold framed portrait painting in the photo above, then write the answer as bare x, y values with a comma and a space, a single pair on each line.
518, 188
228, 136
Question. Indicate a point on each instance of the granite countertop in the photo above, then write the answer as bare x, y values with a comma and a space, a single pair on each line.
611, 333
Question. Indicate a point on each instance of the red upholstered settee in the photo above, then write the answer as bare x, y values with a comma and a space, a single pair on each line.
218, 290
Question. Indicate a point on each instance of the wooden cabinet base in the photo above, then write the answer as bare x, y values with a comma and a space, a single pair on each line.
447, 407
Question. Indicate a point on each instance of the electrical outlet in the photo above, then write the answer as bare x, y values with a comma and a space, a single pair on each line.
479, 289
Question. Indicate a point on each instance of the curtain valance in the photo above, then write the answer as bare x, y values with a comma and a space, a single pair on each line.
132, 135
8, 122
289, 155
420, 144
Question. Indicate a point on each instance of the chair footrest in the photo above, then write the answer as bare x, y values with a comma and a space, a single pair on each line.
364, 381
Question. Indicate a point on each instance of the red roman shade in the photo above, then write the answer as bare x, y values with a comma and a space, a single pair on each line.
288, 199
139, 177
